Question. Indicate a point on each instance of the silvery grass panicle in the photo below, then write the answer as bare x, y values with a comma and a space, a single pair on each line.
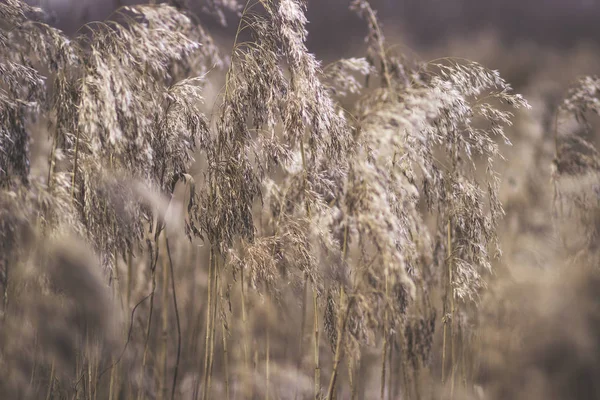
128, 117
467, 118
342, 75
467, 122
24, 86
275, 112
23, 91
125, 79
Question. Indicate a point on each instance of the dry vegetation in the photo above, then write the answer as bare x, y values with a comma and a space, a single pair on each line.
308, 231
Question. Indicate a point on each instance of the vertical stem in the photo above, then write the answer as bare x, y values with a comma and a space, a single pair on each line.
225, 358
444, 335
75, 160
117, 285
392, 373
163, 388
452, 309
77, 373
5, 293
302, 329
51, 384
213, 324
89, 366
95, 377
129, 276
244, 317
115, 378
463, 359
342, 323
176, 318
112, 384
35, 359
245, 327
315, 299
454, 356
316, 347
128, 389
352, 378
116, 293
121, 384
51, 163
149, 326
268, 355
385, 341
208, 325
404, 364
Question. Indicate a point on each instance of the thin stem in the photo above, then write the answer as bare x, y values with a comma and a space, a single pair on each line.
385, 341
316, 346
35, 360
173, 387
89, 366
245, 326
75, 160
213, 325
380, 43
111, 385
51, 385
148, 328
342, 323
128, 339
244, 316
225, 353
463, 358
392, 373
352, 378
208, 324
268, 356
129, 276
5, 293
317, 382
116, 293
302, 330
51, 163
163, 389
452, 309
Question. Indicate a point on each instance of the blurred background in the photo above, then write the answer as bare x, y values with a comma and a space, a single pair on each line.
553, 40
555, 23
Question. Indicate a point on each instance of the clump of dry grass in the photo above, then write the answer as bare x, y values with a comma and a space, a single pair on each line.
575, 171
274, 244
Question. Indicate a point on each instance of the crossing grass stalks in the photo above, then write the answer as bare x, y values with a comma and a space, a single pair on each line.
310, 232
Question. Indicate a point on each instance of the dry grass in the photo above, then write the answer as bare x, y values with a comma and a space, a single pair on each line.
309, 232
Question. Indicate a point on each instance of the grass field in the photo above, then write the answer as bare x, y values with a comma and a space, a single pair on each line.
186, 220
